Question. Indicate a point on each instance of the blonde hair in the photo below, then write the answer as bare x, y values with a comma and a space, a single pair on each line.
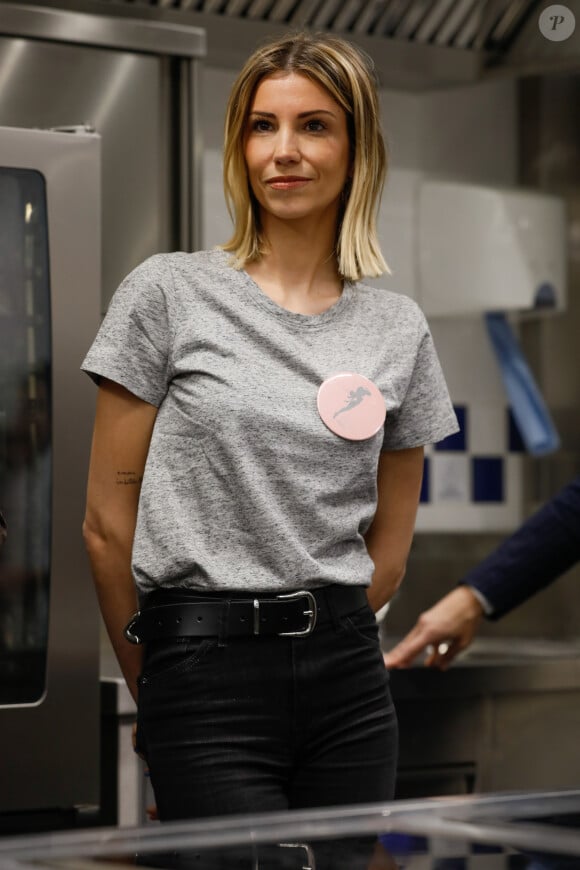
348, 75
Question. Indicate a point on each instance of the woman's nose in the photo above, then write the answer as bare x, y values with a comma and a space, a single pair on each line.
286, 146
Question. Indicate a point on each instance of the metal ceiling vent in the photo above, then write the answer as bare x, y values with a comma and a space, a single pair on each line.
481, 25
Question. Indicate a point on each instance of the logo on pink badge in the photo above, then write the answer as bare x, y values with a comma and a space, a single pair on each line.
351, 406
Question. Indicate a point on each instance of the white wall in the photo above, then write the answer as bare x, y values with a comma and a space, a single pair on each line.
470, 134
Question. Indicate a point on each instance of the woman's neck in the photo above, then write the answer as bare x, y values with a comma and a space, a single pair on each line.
300, 261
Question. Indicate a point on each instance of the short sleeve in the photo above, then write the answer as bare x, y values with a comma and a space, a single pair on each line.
132, 346
425, 415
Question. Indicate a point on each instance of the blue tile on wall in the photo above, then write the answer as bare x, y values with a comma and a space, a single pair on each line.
404, 844
426, 482
459, 440
487, 478
515, 443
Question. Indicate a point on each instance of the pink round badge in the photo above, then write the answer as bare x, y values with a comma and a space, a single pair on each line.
351, 406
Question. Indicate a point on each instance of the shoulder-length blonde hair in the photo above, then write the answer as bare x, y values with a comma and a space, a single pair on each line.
348, 75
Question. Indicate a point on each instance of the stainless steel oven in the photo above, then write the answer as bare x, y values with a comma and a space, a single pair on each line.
136, 80
50, 289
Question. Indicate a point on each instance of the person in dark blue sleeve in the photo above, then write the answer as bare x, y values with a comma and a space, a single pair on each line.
542, 549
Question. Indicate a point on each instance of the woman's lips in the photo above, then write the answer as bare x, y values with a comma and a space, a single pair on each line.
287, 183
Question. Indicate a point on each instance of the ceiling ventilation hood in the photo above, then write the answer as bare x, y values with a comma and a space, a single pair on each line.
474, 24
415, 44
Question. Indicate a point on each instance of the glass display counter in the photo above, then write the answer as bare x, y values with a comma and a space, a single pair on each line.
531, 830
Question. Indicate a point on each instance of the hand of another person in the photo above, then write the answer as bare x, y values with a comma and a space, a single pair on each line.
446, 628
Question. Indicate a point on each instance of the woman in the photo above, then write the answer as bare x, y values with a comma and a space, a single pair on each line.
261, 527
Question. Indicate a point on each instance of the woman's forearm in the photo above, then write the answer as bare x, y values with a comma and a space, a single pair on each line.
121, 437
389, 537
111, 569
386, 580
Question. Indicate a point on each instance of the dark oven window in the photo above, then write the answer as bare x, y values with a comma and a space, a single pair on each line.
25, 435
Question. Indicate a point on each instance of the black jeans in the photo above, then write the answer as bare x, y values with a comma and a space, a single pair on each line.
268, 723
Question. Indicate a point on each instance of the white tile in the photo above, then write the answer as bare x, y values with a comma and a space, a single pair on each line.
450, 482
468, 517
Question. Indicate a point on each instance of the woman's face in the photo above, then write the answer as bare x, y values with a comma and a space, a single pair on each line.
296, 148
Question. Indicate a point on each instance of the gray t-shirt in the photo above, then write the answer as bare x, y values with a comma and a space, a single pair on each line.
244, 486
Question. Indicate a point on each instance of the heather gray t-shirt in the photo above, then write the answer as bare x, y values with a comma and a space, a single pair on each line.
244, 486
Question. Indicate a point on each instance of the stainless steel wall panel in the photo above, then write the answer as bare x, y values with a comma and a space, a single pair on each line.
191, 159
155, 37
144, 104
120, 94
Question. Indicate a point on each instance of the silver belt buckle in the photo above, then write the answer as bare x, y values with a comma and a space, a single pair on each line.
310, 613
128, 630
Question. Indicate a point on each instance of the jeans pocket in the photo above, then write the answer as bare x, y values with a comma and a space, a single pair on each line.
168, 659
362, 626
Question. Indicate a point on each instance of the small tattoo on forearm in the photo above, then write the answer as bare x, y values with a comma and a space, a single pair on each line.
125, 478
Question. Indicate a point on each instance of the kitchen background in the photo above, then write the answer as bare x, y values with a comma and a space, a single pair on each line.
470, 92
503, 131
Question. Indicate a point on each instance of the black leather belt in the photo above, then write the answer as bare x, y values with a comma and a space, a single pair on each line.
292, 614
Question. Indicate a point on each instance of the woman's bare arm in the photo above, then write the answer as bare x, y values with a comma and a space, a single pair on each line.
122, 432
389, 538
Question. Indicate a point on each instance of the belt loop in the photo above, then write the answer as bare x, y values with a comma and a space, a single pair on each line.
329, 599
223, 623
